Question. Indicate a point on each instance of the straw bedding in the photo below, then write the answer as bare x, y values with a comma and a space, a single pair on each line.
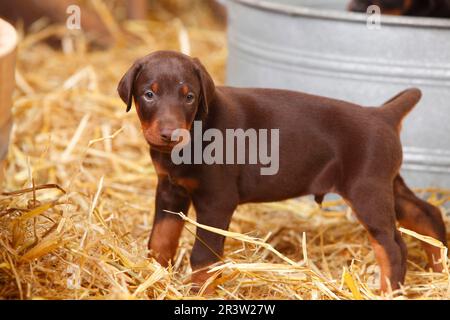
85, 236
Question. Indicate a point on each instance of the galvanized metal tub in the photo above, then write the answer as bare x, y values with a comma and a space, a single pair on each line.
317, 47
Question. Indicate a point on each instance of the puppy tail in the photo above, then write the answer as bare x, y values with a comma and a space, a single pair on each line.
395, 109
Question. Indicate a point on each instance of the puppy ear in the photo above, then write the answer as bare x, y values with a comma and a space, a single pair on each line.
207, 85
125, 87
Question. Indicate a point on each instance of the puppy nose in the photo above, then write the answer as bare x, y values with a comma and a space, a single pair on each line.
166, 134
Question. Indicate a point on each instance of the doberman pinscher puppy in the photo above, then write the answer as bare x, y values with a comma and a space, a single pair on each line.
421, 8
325, 145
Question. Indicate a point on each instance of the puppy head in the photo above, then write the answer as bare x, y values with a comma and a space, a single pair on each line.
170, 90
394, 7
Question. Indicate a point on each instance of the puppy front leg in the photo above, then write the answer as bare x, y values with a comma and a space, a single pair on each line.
167, 227
208, 246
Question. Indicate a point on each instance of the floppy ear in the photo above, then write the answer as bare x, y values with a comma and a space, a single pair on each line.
206, 83
125, 87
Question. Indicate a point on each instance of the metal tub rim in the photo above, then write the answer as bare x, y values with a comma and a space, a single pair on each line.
330, 14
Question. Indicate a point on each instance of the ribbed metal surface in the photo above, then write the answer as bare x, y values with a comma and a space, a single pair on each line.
318, 47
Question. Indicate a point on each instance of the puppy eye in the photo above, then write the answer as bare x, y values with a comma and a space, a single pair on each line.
190, 97
149, 95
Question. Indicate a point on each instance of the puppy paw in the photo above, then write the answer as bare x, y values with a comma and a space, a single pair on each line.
204, 283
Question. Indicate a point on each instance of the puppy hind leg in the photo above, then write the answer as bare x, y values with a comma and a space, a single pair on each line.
422, 217
374, 208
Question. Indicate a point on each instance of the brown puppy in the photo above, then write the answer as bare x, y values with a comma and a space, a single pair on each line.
421, 8
325, 145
